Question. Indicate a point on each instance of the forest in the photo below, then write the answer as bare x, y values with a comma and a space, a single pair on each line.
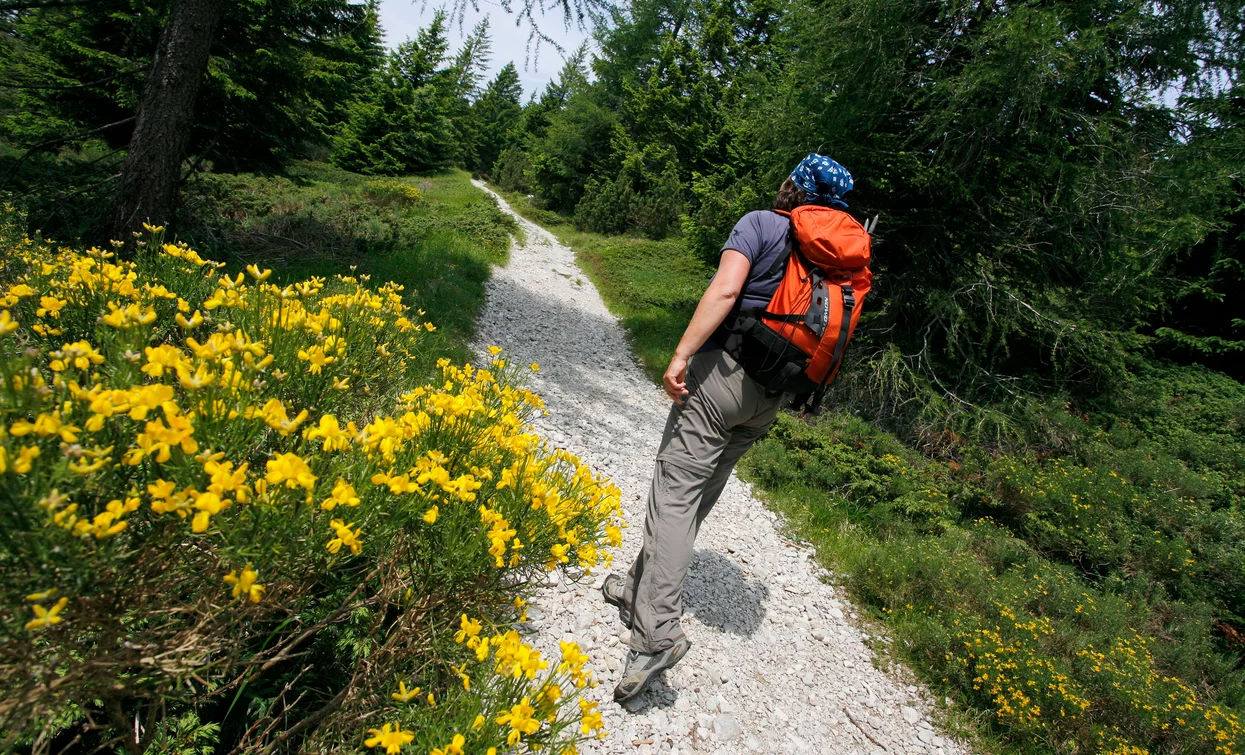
1031, 472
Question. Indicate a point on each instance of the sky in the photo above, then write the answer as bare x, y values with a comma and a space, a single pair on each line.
403, 18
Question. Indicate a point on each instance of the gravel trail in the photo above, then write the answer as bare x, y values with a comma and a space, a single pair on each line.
777, 665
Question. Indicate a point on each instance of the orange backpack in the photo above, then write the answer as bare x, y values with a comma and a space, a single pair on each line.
796, 343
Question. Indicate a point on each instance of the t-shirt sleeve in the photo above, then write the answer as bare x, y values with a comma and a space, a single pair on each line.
745, 238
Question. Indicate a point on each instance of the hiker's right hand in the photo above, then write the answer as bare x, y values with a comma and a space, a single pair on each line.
673, 380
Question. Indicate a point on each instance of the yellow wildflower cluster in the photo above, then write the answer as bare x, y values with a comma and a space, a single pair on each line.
167, 430
523, 698
1127, 669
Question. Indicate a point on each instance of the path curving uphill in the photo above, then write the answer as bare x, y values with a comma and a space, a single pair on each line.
776, 664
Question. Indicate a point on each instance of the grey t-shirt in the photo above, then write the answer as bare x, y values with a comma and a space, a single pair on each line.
761, 236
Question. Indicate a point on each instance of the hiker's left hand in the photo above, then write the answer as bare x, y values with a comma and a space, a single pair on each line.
674, 380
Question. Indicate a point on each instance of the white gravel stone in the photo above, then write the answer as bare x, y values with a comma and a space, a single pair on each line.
758, 677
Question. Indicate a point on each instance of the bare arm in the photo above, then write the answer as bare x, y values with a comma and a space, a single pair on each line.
714, 306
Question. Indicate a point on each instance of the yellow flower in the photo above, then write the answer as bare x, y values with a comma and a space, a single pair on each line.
403, 695
535, 367
38, 597
317, 358
391, 739
128, 316
549, 696
81, 355
245, 585
345, 536
494, 350
291, 470
25, 459
341, 384
468, 629
460, 671
46, 617
161, 359
208, 505
478, 723
455, 747
195, 320
519, 717
50, 306
275, 416
590, 718
255, 273
200, 378
7, 323
343, 494
335, 438
430, 515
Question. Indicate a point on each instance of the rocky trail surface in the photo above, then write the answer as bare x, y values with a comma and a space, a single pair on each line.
777, 665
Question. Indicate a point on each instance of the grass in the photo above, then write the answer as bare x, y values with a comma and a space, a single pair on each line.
1083, 596
436, 235
653, 286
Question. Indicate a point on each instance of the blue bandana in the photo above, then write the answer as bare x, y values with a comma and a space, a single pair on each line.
823, 180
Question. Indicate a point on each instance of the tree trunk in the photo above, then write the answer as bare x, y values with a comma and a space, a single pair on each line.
153, 163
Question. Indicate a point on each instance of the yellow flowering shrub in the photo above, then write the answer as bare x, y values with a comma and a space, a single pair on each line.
225, 497
392, 191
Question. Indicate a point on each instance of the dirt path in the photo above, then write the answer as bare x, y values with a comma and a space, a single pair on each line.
777, 665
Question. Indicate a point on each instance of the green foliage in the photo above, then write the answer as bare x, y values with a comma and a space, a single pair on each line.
576, 141
279, 76
645, 195
401, 122
512, 170
496, 115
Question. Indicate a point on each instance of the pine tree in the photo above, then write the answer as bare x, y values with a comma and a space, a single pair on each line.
497, 115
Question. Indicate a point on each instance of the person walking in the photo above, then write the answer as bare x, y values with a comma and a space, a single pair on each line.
718, 413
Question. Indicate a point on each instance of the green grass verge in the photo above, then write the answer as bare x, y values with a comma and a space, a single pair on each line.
435, 235
653, 286
1087, 601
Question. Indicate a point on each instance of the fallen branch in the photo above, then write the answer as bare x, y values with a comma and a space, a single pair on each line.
863, 730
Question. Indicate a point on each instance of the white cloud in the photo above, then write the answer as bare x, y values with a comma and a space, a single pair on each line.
537, 64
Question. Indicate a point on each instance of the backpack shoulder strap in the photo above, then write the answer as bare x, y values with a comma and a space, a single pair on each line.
781, 260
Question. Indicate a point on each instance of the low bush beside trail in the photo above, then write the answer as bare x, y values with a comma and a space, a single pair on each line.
237, 515
1083, 609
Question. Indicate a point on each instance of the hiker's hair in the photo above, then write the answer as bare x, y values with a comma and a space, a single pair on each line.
790, 197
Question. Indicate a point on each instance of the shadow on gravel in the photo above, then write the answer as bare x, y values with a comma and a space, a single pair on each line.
657, 695
719, 595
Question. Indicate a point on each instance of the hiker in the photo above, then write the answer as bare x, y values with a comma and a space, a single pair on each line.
720, 410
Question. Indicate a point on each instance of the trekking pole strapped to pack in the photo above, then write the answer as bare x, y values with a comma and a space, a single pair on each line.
796, 343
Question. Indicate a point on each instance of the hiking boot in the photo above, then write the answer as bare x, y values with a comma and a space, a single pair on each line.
642, 667
612, 590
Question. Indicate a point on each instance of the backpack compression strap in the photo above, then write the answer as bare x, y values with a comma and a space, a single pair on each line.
813, 404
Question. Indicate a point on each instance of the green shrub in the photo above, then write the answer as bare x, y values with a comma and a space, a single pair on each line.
513, 169
1076, 607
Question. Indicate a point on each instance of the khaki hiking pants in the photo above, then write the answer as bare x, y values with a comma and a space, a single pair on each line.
724, 413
